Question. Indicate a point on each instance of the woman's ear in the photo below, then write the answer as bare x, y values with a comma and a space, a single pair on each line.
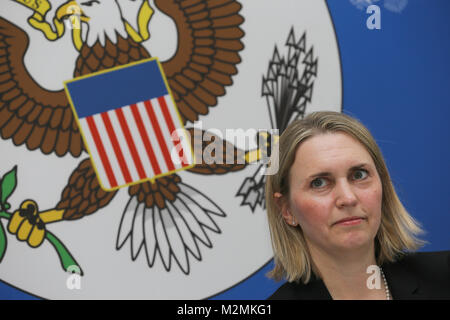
278, 198
283, 206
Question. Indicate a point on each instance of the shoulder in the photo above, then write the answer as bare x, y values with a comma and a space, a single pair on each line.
286, 291
424, 274
313, 290
427, 263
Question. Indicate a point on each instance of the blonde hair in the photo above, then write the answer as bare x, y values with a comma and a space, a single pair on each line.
397, 233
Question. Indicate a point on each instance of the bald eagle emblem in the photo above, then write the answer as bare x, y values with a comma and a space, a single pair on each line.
166, 219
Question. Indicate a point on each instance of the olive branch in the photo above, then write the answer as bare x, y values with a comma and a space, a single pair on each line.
8, 184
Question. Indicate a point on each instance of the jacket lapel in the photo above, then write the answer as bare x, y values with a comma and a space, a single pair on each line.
401, 282
318, 290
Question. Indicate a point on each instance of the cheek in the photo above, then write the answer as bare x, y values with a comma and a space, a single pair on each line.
371, 200
311, 212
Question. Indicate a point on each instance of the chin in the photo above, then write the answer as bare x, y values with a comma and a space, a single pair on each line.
355, 240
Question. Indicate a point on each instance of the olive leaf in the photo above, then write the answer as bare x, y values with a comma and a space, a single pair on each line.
2, 242
8, 184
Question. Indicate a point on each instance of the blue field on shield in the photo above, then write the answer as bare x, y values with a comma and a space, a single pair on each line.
106, 91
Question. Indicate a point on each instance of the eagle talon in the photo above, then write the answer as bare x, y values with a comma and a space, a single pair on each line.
29, 225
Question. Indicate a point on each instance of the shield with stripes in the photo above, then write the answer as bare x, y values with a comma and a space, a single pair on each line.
133, 134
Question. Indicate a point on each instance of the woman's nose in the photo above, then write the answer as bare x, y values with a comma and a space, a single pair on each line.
345, 195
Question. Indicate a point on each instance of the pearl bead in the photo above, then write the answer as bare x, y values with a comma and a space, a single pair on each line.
388, 294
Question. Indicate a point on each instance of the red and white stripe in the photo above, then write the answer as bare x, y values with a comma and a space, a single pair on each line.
135, 142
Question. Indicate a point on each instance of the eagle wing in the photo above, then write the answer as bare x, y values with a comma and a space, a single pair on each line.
83, 195
207, 55
30, 114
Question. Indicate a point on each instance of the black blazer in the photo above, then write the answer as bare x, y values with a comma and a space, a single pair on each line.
421, 275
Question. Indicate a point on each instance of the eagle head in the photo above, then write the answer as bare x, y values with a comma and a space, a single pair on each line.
93, 21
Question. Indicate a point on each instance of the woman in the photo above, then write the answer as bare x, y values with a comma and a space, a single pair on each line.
338, 229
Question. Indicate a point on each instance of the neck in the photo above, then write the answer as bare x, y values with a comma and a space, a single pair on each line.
345, 273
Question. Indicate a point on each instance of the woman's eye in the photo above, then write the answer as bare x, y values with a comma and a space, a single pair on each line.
318, 183
360, 174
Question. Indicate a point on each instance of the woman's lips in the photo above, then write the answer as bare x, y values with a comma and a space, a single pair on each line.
350, 221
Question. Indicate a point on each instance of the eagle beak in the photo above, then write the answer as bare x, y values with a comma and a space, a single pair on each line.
71, 10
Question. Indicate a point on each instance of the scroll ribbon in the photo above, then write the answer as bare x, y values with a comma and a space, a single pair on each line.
144, 16
37, 20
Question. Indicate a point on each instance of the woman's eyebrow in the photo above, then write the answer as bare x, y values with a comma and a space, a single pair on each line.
320, 174
327, 174
359, 166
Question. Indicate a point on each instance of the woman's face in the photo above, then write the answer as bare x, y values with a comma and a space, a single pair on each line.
335, 193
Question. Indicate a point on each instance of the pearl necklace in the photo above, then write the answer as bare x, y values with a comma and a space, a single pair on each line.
388, 294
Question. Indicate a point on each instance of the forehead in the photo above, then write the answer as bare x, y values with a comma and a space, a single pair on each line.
329, 152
